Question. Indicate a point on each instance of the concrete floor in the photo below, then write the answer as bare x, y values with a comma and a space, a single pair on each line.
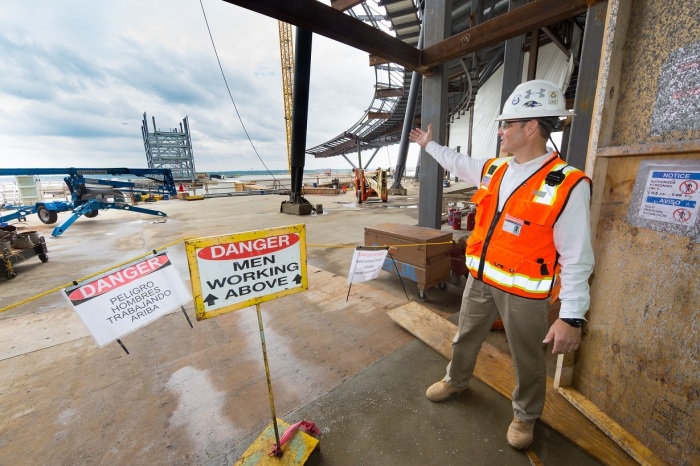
198, 396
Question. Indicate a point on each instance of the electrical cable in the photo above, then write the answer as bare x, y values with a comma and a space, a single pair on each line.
223, 75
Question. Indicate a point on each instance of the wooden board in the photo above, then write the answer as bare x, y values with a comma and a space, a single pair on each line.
638, 360
658, 87
496, 370
612, 429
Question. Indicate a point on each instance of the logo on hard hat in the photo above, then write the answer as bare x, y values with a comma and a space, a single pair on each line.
532, 104
539, 93
553, 97
516, 99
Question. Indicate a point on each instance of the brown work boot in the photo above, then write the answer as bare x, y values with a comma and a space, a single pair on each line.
441, 390
520, 434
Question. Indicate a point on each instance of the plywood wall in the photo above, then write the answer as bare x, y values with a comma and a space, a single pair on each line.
661, 67
640, 361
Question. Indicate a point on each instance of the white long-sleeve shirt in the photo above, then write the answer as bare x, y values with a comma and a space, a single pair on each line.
572, 232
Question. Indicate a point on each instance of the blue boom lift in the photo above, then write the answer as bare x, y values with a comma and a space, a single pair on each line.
90, 195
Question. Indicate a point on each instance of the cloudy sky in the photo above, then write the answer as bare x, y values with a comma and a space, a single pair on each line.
78, 75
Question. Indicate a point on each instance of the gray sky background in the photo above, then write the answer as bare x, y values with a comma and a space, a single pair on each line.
78, 75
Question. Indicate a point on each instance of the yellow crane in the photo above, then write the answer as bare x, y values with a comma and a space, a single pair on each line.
287, 60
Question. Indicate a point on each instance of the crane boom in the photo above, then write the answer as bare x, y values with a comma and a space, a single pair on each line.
287, 61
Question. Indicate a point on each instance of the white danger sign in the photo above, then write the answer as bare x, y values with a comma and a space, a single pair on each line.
124, 300
237, 271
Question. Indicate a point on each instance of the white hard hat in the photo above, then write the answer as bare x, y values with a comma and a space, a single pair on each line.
535, 99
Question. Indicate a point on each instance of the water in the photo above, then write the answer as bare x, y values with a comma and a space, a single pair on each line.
278, 179
242, 174
252, 174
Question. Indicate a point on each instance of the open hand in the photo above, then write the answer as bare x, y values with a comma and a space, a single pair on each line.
420, 137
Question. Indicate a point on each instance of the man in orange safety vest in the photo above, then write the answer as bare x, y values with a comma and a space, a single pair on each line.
532, 228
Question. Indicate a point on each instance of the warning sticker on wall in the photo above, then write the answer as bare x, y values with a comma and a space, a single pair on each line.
672, 196
666, 197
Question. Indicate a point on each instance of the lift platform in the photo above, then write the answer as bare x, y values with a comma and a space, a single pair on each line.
90, 195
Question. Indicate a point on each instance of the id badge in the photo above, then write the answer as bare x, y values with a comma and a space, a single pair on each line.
512, 225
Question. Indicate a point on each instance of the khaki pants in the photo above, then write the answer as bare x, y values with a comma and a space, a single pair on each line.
526, 325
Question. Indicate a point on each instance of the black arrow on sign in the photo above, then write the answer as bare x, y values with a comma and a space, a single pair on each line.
210, 300
297, 279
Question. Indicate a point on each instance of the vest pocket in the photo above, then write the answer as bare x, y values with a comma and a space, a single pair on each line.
533, 212
506, 260
513, 263
482, 198
474, 246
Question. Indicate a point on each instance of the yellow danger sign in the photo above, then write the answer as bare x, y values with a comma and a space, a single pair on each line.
232, 272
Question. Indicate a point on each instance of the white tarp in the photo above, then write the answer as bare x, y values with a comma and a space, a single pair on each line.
552, 65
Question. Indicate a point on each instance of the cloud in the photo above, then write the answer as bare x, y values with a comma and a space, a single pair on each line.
78, 76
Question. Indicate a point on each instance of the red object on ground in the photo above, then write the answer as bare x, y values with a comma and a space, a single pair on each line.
307, 426
457, 220
471, 220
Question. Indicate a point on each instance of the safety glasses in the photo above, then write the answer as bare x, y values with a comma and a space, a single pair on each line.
507, 124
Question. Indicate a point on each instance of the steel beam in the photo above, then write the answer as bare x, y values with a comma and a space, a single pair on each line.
586, 86
329, 22
342, 5
314, 16
436, 22
300, 111
512, 66
514, 23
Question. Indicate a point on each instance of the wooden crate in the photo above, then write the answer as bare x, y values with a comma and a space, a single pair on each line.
417, 246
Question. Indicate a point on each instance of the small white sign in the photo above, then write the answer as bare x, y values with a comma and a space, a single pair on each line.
366, 264
672, 196
124, 300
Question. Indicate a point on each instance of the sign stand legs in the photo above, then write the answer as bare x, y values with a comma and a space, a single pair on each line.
122, 345
278, 447
186, 316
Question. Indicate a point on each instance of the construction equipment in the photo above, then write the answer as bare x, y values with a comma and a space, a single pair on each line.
287, 61
370, 184
16, 248
90, 195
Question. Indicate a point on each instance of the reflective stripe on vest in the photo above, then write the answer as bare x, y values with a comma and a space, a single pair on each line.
536, 286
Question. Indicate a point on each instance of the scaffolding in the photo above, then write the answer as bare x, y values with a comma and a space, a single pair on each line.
170, 148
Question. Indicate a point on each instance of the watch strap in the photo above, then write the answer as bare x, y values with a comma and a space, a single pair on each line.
576, 323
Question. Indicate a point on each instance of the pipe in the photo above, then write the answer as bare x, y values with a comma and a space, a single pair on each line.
416, 81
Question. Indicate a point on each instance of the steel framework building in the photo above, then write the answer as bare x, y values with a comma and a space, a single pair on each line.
383, 121
170, 148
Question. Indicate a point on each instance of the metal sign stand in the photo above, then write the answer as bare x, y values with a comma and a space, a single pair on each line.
278, 447
297, 449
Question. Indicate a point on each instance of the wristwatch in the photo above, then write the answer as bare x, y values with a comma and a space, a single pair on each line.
577, 323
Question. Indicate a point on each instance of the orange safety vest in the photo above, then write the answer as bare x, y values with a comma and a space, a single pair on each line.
513, 250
